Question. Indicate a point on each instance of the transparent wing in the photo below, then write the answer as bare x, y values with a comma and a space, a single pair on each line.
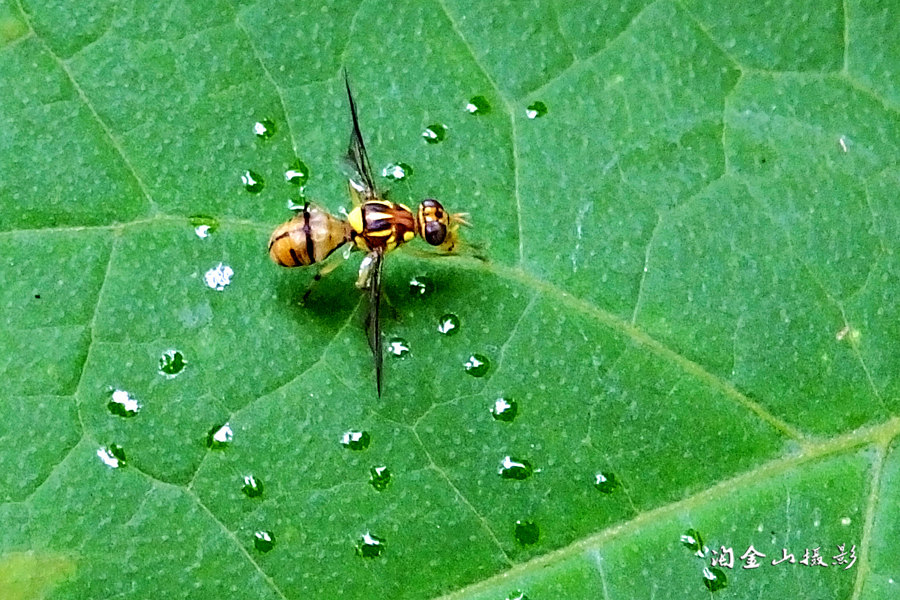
373, 317
358, 167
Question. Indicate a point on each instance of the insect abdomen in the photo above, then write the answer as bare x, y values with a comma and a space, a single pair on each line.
308, 238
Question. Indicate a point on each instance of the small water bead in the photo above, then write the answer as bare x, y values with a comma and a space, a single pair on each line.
448, 324
203, 225
516, 595
380, 478
297, 173
607, 483
536, 110
714, 579
113, 456
397, 171
527, 532
477, 365
253, 487
123, 405
478, 105
421, 286
263, 540
693, 541
264, 128
253, 181
219, 277
504, 410
356, 440
398, 347
296, 205
219, 437
435, 134
171, 363
512, 468
370, 546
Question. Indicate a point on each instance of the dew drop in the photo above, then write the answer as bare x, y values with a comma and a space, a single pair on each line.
397, 171
435, 134
296, 205
504, 410
219, 277
516, 595
421, 286
356, 440
253, 181
253, 487
512, 468
478, 365
297, 173
123, 405
264, 129
478, 105
263, 540
203, 225
113, 456
380, 478
536, 110
171, 363
448, 324
369, 546
398, 347
693, 541
714, 579
607, 483
527, 532
219, 437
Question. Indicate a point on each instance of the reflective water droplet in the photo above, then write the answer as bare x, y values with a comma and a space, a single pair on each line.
380, 478
171, 363
296, 204
505, 410
264, 128
113, 456
297, 173
398, 347
512, 468
253, 181
123, 405
607, 483
478, 105
397, 172
527, 532
203, 225
434, 134
253, 487
478, 365
219, 436
714, 579
536, 109
449, 324
219, 277
369, 546
693, 541
516, 595
421, 286
356, 440
263, 540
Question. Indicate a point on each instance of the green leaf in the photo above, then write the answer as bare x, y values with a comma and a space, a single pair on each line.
688, 316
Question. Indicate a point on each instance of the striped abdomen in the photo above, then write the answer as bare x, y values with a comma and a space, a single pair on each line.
308, 238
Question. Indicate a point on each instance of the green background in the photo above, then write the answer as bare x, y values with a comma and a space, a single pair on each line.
691, 286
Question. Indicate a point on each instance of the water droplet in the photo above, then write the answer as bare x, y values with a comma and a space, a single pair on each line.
263, 540
369, 546
253, 181
264, 128
356, 440
512, 468
693, 541
434, 134
478, 365
219, 277
398, 347
123, 405
606, 482
253, 487
714, 579
219, 436
421, 286
171, 363
536, 109
449, 324
113, 456
505, 410
397, 171
380, 478
297, 173
516, 595
478, 105
298, 204
527, 532
203, 225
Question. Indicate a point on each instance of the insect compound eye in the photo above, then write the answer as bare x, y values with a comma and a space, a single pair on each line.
435, 233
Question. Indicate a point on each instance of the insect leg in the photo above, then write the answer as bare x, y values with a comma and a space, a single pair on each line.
323, 271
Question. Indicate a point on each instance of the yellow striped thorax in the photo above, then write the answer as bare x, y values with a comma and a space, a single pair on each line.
381, 224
